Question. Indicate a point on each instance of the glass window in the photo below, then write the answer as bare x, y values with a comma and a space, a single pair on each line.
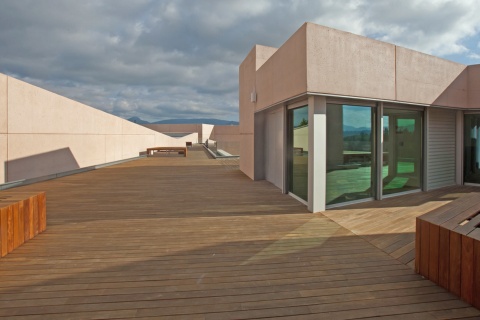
298, 152
350, 153
471, 171
402, 150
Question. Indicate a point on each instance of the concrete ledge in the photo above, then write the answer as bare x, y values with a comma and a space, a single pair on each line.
23, 215
221, 154
447, 247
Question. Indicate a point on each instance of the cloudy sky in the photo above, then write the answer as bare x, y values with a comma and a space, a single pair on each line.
162, 59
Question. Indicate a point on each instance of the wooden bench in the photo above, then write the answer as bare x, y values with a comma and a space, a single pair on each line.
23, 215
168, 149
447, 247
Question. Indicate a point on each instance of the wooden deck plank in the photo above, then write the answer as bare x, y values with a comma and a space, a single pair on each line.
193, 238
384, 223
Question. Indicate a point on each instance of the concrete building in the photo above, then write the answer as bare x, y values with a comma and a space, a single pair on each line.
334, 118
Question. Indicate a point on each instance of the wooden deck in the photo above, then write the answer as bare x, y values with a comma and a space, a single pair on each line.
390, 224
193, 238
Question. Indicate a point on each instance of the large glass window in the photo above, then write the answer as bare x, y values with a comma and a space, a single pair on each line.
350, 153
402, 150
471, 170
298, 152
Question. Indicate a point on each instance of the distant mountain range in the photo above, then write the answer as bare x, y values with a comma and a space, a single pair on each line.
217, 122
355, 129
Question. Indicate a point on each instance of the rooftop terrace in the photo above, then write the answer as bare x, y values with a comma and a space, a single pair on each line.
194, 238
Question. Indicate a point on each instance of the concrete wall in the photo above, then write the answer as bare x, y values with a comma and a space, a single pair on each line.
247, 81
300, 138
42, 133
284, 74
3, 126
176, 128
228, 138
343, 63
274, 147
425, 79
473, 99
206, 132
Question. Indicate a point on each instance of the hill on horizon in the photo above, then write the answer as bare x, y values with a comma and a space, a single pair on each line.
186, 121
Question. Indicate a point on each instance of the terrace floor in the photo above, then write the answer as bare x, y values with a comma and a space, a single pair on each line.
193, 238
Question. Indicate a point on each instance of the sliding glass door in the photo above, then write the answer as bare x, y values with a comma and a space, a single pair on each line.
298, 152
402, 150
471, 170
350, 153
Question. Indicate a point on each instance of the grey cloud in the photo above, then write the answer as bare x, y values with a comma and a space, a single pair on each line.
179, 58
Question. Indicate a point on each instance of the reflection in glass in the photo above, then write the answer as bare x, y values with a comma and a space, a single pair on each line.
350, 153
298, 152
472, 149
402, 150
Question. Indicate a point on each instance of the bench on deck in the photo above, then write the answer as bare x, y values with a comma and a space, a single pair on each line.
447, 247
23, 215
180, 150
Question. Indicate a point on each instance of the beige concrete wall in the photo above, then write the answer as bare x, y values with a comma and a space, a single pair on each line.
247, 159
3, 126
422, 78
228, 138
274, 146
343, 63
247, 84
284, 74
3, 103
169, 128
48, 134
203, 131
473, 100
246, 110
300, 138
206, 132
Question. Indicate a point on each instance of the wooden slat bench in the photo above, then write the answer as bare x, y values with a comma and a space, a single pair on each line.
447, 247
23, 215
167, 149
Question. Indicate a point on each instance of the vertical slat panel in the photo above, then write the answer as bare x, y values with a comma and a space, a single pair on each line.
21, 218
16, 226
424, 245
418, 245
441, 148
35, 217
31, 216
42, 214
444, 257
467, 269
476, 274
26, 219
433, 252
3, 231
10, 229
455, 263
21, 223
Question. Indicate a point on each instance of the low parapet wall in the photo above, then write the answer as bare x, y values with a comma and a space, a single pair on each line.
43, 134
447, 247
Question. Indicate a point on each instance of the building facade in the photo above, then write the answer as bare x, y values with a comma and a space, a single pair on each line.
334, 118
